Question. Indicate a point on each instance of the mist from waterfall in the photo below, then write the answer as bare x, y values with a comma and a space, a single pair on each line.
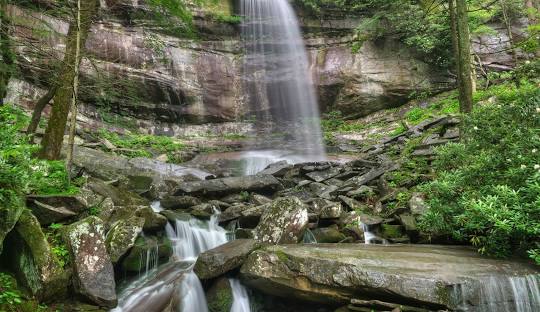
278, 84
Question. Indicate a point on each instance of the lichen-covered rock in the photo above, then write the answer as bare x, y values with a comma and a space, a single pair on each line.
225, 258
153, 222
31, 258
284, 222
9, 215
426, 276
122, 236
328, 235
220, 296
179, 202
93, 273
147, 251
417, 204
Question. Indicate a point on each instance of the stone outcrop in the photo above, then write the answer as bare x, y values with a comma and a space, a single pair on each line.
418, 275
9, 215
226, 186
93, 273
122, 236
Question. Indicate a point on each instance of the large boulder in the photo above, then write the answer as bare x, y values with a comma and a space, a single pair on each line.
434, 277
224, 186
284, 222
31, 258
55, 208
93, 276
122, 236
225, 258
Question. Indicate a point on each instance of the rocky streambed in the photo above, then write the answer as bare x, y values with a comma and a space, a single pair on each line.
114, 233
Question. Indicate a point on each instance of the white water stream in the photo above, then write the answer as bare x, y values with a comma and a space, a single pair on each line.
178, 283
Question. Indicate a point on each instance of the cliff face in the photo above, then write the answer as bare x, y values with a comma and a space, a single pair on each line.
139, 72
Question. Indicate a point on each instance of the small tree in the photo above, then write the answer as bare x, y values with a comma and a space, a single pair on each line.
6, 55
462, 51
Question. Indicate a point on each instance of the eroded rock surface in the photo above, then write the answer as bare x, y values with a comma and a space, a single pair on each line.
284, 222
227, 257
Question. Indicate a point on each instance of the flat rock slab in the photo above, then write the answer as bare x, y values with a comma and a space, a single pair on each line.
226, 186
227, 257
436, 277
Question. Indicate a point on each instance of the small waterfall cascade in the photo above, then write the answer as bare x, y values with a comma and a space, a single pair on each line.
309, 238
278, 86
502, 294
177, 280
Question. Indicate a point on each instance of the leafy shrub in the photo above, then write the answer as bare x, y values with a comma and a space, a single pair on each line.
140, 145
9, 295
487, 189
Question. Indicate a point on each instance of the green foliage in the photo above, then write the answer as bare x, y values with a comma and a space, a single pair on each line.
141, 145
487, 190
9, 295
20, 172
58, 247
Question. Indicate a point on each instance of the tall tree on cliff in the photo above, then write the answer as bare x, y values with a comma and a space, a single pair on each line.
51, 144
6, 54
459, 20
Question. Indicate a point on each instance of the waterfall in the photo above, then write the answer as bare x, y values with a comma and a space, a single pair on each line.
240, 297
500, 294
177, 279
278, 85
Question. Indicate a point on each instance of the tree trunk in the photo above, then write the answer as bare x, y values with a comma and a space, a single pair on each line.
51, 145
73, 122
454, 33
38, 110
464, 64
8, 58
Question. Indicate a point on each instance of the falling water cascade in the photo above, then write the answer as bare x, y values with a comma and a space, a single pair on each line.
278, 87
176, 279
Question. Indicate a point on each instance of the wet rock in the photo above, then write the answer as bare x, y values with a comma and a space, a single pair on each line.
278, 169
284, 222
9, 215
92, 267
424, 276
353, 204
172, 216
243, 233
147, 252
370, 220
409, 222
392, 231
122, 236
224, 186
225, 258
328, 235
30, 257
153, 222
220, 296
417, 204
179, 202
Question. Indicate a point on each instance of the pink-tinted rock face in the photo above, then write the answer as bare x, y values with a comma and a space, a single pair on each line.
138, 72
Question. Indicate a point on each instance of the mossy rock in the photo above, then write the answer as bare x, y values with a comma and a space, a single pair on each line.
220, 296
122, 236
392, 231
136, 259
9, 215
31, 258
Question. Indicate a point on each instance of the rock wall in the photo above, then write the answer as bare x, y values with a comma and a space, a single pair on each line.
159, 79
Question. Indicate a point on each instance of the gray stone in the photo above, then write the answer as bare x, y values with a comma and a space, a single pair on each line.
218, 261
122, 236
284, 222
179, 202
220, 296
328, 235
48, 214
93, 276
224, 186
147, 249
320, 176
419, 275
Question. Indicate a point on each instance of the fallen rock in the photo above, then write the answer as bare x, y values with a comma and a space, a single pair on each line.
48, 214
225, 186
428, 276
31, 258
93, 273
153, 222
320, 176
225, 258
179, 202
122, 236
284, 222
417, 204
328, 235
120, 197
